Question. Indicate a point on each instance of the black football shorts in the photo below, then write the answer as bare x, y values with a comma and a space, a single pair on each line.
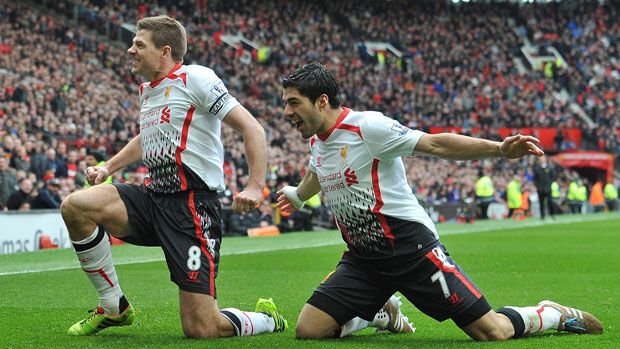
433, 283
186, 225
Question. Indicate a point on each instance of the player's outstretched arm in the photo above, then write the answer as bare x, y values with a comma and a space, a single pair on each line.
458, 147
256, 151
291, 199
132, 152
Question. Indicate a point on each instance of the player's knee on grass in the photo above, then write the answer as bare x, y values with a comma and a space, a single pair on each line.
203, 330
200, 332
316, 329
314, 323
495, 334
490, 327
305, 331
200, 317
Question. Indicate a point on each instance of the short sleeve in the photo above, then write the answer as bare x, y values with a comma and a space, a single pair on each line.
212, 93
387, 138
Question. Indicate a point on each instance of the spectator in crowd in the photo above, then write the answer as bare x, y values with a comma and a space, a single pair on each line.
61, 160
544, 175
25, 207
597, 198
49, 196
72, 163
576, 195
485, 192
514, 197
556, 197
266, 214
8, 181
21, 160
43, 162
238, 224
21, 196
611, 196
303, 219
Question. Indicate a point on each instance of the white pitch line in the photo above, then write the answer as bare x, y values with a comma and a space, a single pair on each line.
469, 229
74, 265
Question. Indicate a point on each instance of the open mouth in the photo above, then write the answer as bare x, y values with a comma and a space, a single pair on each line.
297, 123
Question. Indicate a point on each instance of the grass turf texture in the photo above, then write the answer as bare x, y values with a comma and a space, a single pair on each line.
573, 261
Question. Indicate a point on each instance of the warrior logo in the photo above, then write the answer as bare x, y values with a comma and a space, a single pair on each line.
165, 115
350, 177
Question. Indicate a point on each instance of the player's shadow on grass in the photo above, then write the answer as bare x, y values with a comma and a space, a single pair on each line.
287, 340
411, 340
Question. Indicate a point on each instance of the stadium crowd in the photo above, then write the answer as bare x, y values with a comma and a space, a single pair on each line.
588, 37
68, 99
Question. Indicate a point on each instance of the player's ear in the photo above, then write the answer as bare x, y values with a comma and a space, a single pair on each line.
323, 101
167, 50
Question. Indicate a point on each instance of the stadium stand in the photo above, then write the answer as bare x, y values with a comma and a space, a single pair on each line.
67, 91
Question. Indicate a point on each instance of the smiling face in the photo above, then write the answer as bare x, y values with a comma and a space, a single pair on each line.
147, 59
305, 116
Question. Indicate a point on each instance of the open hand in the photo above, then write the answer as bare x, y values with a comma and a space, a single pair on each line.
284, 203
517, 146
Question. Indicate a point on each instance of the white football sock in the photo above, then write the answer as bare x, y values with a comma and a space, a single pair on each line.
538, 319
380, 321
96, 261
248, 323
353, 325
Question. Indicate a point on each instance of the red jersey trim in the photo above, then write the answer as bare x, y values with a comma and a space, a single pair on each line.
379, 202
312, 141
323, 137
170, 75
203, 243
344, 233
142, 87
452, 269
351, 128
184, 133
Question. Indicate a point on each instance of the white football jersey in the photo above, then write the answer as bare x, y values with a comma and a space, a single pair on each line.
180, 126
359, 166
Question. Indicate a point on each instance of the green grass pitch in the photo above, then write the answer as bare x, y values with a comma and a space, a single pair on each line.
574, 261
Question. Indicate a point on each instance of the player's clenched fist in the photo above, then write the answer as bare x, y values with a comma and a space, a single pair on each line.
96, 174
247, 200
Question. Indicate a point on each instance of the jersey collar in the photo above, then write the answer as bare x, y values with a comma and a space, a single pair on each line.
323, 137
169, 75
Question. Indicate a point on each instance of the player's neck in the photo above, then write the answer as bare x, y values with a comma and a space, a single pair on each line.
163, 71
332, 115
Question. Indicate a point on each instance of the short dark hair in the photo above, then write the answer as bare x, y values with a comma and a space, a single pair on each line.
313, 80
166, 31
99, 155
